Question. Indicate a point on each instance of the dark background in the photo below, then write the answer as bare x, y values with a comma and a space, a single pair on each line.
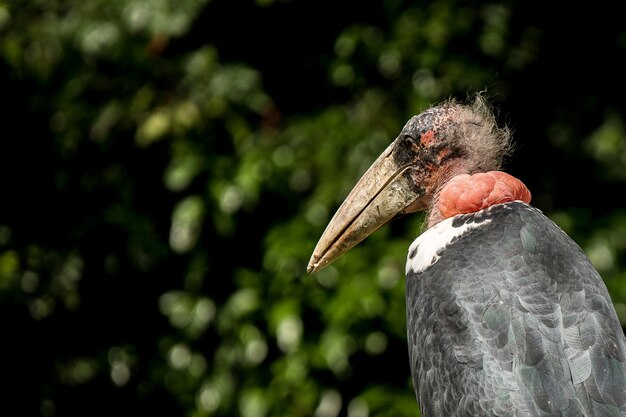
168, 166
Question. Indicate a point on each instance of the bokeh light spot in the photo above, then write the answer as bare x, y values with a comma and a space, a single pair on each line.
330, 404
358, 408
209, 399
289, 333
179, 356
375, 343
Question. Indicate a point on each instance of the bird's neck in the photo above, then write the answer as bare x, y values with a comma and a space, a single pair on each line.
464, 193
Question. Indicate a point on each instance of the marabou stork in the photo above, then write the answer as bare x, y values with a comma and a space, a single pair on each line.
506, 316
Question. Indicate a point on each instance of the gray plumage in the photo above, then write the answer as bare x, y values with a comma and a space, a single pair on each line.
512, 319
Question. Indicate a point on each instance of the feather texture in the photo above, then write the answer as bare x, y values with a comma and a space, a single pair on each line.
511, 319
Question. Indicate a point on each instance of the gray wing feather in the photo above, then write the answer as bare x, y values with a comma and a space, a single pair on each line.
519, 325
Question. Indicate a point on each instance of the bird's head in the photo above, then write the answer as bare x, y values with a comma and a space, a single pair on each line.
435, 146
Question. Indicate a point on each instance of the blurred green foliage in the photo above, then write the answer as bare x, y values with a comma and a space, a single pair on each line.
169, 165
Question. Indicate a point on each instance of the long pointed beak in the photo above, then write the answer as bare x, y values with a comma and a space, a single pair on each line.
381, 193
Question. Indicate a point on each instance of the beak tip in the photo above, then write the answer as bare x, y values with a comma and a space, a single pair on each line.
313, 264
